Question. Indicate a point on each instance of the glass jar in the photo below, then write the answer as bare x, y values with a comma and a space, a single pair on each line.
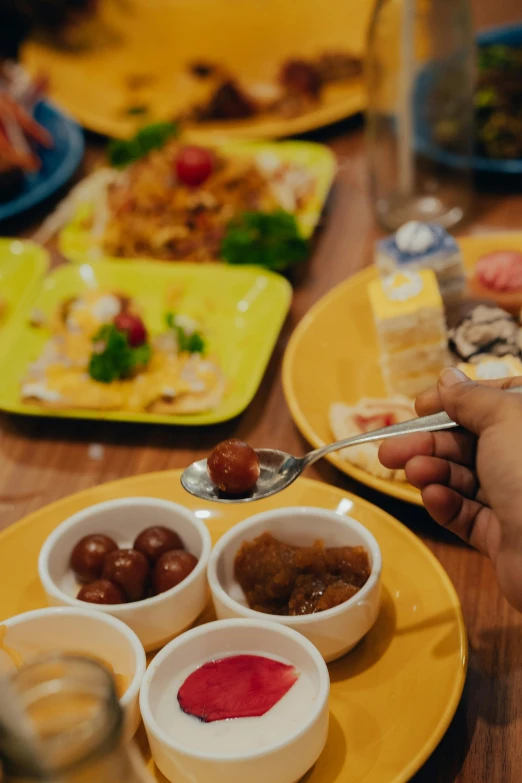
421, 65
72, 706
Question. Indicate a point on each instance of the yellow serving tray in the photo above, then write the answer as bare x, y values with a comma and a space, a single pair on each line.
22, 265
392, 698
241, 310
159, 38
333, 356
78, 245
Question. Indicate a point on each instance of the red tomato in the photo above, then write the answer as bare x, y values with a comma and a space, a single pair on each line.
194, 165
133, 327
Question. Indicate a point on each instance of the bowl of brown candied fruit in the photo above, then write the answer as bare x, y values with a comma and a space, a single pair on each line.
313, 570
142, 560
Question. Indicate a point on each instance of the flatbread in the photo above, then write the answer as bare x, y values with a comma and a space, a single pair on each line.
344, 424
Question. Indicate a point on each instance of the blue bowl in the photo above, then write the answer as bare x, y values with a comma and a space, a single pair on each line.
58, 163
510, 35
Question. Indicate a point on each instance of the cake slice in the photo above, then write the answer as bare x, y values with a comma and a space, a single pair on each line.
418, 246
409, 317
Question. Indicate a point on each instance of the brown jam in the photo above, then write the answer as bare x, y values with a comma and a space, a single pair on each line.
282, 579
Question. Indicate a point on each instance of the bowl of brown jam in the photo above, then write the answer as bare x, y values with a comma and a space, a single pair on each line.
314, 570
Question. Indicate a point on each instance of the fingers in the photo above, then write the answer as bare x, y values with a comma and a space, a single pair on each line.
474, 406
430, 402
458, 447
422, 471
474, 523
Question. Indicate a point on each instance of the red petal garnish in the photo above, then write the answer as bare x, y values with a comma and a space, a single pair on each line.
241, 686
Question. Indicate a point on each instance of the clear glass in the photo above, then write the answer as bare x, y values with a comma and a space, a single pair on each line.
72, 705
421, 65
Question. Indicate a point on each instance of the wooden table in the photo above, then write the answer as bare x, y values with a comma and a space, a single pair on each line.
43, 460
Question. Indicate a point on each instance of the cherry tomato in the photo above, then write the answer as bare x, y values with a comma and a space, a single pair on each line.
234, 467
194, 165
133, 327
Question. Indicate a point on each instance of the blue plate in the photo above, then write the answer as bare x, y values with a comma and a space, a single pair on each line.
510, 35
58, 163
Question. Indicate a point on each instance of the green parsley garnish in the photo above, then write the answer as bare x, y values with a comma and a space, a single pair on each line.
187, 343
122, 152
268, 239
117, 359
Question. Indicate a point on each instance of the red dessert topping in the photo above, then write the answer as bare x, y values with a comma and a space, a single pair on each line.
241, 686
500, 271
369, 423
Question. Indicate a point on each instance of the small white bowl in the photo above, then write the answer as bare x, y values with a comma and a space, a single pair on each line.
285, 761
155, 620
80, 631
334, 631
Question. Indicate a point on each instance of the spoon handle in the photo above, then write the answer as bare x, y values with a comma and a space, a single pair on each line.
433, 423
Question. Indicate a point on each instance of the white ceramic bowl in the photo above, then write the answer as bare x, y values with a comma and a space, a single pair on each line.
334, 631
289, 758
80, 631
155, 620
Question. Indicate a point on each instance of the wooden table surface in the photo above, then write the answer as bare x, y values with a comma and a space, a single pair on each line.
43, 460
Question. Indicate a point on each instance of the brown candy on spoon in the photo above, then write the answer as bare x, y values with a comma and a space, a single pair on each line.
234, 467
102, 591
128, 569
171, 569
88, 556
155, 541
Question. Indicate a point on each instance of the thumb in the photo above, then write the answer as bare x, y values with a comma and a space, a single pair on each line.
470, 404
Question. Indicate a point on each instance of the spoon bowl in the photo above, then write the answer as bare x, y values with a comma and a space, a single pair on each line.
278, 471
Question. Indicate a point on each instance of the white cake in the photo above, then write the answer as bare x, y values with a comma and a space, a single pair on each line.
409, 317
418, 246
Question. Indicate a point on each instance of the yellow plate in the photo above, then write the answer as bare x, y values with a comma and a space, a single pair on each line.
392, 698
333, 357
22, 265
158, 38
78, 245
241, 310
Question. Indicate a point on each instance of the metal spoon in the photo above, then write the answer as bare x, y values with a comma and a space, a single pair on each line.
279, 469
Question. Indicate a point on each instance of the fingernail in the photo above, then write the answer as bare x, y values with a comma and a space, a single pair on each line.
450, 376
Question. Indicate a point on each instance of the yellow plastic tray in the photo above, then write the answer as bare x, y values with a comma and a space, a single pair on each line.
78, 246
241, 311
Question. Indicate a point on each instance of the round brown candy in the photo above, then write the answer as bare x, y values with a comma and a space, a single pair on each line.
102, 591
88, 556
129, 569
171, 569
154, 541
234, 467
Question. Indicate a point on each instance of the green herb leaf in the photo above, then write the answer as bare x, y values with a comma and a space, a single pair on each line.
187, 343
268, 239
117, 359
122, 152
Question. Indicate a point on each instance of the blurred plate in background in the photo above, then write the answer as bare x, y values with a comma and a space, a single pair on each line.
150, 43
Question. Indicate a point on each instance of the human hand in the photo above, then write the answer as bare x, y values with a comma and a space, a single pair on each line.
471, 481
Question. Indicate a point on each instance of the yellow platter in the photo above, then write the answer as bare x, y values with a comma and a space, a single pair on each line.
154, 41
392, 698
240, 309
22, 265
78, 245
333, 356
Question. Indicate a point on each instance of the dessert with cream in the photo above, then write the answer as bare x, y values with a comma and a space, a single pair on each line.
367, 415
417, 246
485, 330
489, 368
498, 277
234, 704
409, 317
